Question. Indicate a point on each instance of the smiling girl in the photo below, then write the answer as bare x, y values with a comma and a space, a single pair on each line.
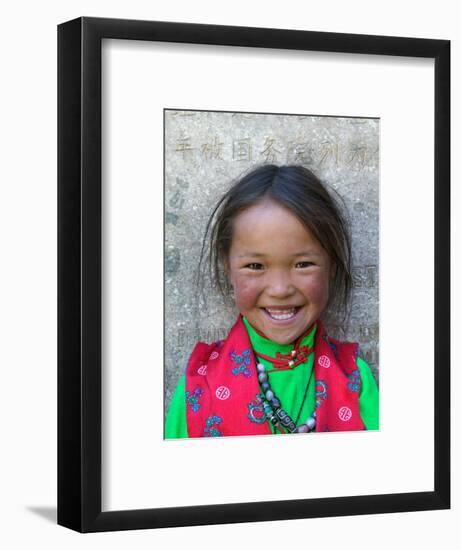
282, 243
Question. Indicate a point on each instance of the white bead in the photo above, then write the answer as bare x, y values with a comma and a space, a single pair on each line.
310, 423
260, 367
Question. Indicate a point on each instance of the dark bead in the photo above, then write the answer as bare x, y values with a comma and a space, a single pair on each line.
285, 419
281, 414
265, 386
262, 377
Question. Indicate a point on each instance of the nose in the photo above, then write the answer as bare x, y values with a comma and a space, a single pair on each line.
280, 285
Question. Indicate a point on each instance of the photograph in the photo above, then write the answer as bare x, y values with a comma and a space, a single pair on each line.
257, 251
271, 273
224, 221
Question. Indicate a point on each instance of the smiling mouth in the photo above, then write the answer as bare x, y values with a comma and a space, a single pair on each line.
279, 314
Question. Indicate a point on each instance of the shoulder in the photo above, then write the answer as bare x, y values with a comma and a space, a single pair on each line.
366, 374
202, 354
337, 347
204, 351
345, 353
361, 363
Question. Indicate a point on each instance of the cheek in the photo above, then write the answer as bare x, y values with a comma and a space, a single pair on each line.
245, 292
317, 290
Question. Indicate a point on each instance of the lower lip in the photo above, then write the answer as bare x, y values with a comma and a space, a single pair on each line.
283, 321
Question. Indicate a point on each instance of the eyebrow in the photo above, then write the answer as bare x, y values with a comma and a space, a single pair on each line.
252, 254
307, 253
261, 255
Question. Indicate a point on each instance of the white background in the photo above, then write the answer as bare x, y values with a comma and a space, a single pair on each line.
134, 97
28, 275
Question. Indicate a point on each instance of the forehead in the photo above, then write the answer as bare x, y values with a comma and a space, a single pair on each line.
269, 227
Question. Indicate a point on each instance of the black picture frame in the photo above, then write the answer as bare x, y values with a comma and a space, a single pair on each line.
79, 274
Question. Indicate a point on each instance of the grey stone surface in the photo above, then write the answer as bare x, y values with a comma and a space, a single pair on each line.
204, 152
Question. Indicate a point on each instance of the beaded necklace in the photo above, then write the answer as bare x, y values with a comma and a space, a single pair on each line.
273, 407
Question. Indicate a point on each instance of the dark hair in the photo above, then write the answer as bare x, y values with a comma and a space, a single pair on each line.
299, 190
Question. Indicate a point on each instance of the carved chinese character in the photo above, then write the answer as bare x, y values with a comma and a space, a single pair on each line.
177, 200
365, 276
212, 150
170, 217
372, 275
183, 145
358, 155
241, 149
270, 152
299, 152
329, 152
182, 183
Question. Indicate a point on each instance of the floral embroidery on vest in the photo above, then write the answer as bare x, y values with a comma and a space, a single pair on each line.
242, 361
354, 381
320, 392
192, 398
210, 430
256, 411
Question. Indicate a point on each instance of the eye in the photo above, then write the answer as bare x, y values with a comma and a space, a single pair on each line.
304, 264
254, 266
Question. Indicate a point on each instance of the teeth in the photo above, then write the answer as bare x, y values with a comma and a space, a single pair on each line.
280, 315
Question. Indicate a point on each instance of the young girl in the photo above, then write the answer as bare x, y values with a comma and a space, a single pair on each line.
281, 241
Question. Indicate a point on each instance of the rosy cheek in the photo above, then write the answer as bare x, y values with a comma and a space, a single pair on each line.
318, 290
245, 293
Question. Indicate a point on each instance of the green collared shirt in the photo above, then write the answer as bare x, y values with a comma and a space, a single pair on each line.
295, 387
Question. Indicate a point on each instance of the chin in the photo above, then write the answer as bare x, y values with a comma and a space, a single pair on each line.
282, 341
284, 337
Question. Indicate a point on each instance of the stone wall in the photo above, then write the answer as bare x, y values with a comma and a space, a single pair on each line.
204, 152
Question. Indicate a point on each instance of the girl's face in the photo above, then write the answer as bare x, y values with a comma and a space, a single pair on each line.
280, 273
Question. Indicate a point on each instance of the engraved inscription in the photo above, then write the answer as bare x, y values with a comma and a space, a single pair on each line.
183, 145
329, 152
299, 152
241, 149
270, 152
365, 276
213, 149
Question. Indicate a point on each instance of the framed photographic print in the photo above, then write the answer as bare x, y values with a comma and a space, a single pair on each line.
268, 156
237, 208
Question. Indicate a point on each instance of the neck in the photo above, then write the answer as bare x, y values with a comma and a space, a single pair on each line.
281, 356
305, 334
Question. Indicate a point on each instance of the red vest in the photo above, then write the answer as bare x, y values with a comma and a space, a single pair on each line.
223, 400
